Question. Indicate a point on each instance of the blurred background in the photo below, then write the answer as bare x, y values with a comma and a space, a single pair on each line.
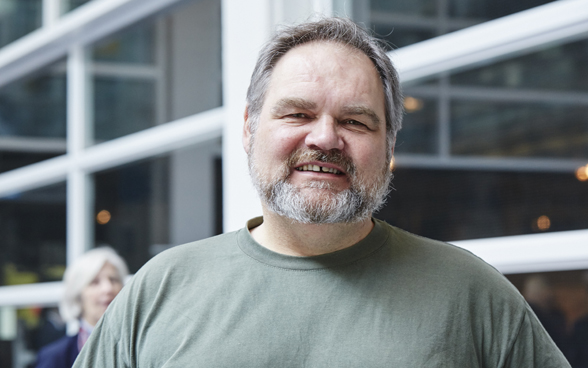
120, 124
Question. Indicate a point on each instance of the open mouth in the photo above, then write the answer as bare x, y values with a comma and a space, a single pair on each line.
318, 168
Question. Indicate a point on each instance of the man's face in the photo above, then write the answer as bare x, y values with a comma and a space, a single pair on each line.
319, 152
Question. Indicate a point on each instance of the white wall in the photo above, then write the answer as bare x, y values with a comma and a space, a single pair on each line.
192, 192
196, 85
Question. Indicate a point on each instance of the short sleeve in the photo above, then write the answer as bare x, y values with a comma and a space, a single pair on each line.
533, 348
103, 350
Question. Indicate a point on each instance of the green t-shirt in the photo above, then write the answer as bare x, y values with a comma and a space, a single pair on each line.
392, 300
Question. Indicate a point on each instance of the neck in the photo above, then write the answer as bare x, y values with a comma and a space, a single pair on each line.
282, 235
88, 326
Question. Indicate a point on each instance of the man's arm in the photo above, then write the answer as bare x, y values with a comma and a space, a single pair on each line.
103, 350
533, 347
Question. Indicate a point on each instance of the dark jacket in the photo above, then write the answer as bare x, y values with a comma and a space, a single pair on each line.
59, 354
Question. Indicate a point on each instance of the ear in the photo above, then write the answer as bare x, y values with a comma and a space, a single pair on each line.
246, 130
393, 146
392, 155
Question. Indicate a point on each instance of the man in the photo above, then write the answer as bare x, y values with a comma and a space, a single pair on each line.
317, 282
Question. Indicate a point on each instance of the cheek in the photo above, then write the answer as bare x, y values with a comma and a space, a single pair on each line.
370, 158
87, 298
277, 144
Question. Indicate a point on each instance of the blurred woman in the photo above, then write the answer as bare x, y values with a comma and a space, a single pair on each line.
91, 283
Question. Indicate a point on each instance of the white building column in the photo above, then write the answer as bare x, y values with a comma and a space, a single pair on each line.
80, 193
246, 26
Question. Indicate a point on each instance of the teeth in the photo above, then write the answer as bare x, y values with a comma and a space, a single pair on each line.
318, 169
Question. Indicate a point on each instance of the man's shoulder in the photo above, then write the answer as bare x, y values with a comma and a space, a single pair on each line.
175, 275
196, 252
445, 261
424, 247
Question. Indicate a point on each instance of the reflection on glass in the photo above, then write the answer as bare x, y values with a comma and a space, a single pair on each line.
145, 207
457, 205
35, 106
18, 18
158, 70
123, 106
419, 128
32, 245
29, 329
397, 36
415, 21
556, 68
416, 7
518, 129
560, 301
14, 160
490, 9
72, 4
134, 45
131, 207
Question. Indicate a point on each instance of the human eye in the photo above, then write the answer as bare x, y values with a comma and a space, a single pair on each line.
355, 123
298, 115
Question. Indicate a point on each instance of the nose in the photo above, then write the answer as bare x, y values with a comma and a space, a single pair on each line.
107, 286
324, 135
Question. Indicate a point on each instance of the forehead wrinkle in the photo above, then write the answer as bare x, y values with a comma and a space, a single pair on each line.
362, 110
295, 102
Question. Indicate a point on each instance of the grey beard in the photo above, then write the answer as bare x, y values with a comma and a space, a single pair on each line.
348, 206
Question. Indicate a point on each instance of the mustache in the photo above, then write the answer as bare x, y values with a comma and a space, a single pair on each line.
334, 157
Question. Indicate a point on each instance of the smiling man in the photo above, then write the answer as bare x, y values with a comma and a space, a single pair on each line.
316, 281
318, 149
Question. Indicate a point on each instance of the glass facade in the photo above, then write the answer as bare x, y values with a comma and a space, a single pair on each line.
13, 160
18, 18
529, 106
524, 129
419, 133
142, 76
122, 106
25, 331
402, 23
32, 245
532, 106
486, 10
468, 204
557, 68
145, 207
131, 210
35, 106
73, 4
33, 118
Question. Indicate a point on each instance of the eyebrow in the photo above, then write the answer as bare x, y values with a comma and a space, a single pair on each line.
286, 103
362, 110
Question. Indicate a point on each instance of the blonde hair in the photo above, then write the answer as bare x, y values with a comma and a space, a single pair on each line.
81, 273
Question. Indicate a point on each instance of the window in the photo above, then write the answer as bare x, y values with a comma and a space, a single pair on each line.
18, 18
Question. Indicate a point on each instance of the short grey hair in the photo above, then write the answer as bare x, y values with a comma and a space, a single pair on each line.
81, 273
331, 29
